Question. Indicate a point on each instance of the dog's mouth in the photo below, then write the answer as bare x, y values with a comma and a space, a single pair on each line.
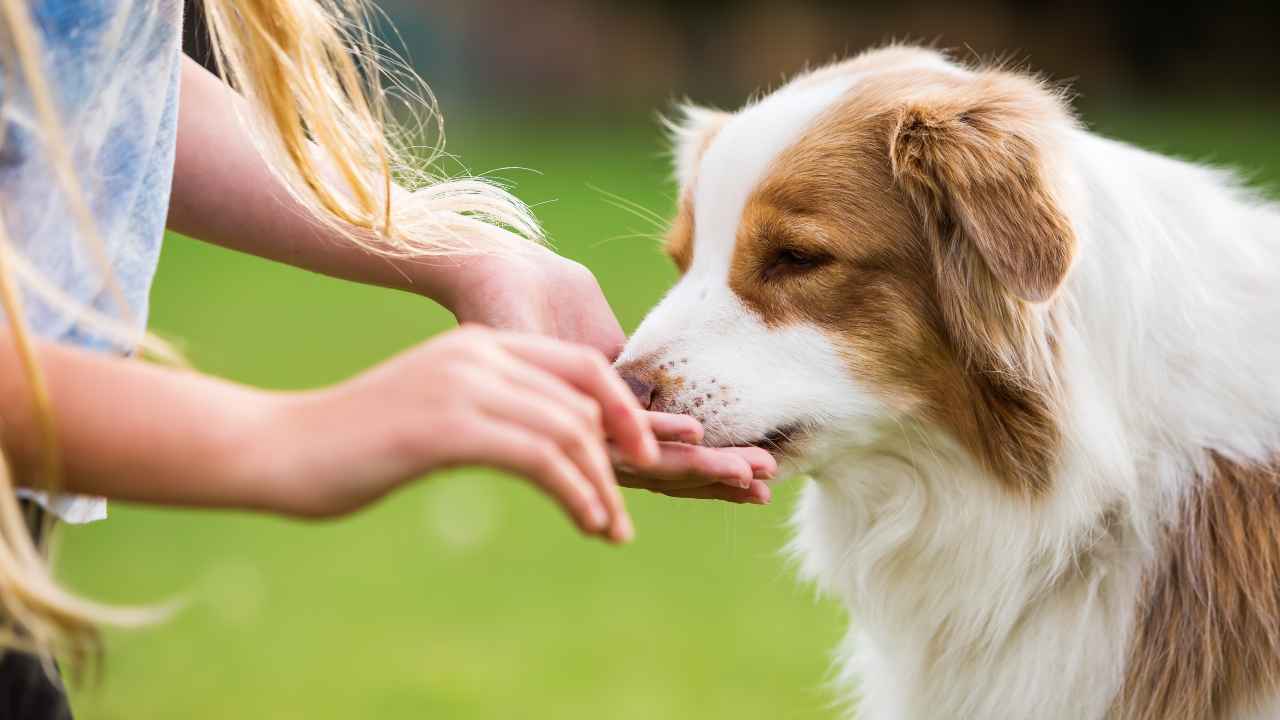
777, 441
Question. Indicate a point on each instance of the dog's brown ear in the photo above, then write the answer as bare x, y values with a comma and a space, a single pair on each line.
692, 130
972, 159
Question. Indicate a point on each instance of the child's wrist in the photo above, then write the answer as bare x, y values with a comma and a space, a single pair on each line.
448, 281
270, 454
311, 455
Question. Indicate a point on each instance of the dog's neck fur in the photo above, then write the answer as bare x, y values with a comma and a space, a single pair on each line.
954, 602
971, 602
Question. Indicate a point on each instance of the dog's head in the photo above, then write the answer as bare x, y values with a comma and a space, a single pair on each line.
878, 242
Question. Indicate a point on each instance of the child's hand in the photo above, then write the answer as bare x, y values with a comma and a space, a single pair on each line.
689, 470
529, 405
536, 291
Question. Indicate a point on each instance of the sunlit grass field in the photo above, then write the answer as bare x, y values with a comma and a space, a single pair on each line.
468, 596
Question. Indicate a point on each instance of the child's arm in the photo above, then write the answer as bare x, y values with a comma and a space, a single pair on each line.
525, 404
224, 193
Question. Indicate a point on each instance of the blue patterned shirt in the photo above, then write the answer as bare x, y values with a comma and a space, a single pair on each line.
113, 68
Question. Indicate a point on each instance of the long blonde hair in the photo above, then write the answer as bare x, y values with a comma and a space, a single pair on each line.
319, 91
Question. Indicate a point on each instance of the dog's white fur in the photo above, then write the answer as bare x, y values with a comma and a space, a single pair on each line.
967, 600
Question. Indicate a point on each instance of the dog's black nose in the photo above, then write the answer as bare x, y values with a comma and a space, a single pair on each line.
643, 390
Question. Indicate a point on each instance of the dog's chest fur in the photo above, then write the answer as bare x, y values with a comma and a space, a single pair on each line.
958, 613
961, 613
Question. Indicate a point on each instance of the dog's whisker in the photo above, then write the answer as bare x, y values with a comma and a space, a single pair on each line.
656, 224
628, 236
631, 206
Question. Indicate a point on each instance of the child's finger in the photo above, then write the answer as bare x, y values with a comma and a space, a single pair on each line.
577, 437
683, 466
586, 369
591, 451
757, 494
533, 378
762, 463
676, 428
513, 448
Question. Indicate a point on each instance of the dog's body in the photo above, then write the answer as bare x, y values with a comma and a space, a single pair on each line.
1034, 374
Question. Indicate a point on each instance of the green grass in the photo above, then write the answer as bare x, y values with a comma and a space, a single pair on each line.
468, 596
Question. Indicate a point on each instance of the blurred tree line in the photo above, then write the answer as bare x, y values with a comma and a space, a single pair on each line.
585, 55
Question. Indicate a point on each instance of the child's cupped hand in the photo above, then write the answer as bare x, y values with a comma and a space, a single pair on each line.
555, 413
686, 469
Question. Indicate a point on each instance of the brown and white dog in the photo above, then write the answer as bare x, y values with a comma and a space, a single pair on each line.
1034, 375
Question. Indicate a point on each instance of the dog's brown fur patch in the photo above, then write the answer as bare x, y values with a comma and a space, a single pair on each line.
679, 239
971, 163
1207, 641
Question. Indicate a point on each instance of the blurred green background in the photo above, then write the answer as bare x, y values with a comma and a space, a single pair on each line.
468, 596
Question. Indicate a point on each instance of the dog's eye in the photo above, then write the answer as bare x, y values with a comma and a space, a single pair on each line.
796, 258
792, 260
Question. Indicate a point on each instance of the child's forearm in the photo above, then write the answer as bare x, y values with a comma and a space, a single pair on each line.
138, 432
520, 403
132, 431
225, 193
